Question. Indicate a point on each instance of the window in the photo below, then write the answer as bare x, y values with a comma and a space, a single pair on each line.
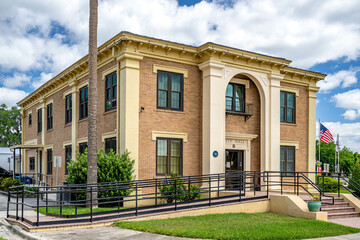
82, 147
83, 103
168, 156
110, 91
39, 113
67, 157
170, 91
68, 109
49, 119
287, 159
287, 107
30, 119
49, 161
110, 143
32, 163
235, 97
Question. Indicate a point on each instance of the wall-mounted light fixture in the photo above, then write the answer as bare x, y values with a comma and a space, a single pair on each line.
141, 109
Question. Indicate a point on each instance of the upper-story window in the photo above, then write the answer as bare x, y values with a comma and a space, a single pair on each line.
83, 102
235, 97
39, 113
82, 147
30, 119
110, 91
68, 109
32, 164
287, 107
49, 118
170, 91
49, 154
68, 150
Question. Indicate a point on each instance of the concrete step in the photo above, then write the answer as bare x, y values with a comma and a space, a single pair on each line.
336, 204
337, 209
343, 215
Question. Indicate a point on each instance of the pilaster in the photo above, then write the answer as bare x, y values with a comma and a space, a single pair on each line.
311, 127
213, 124
74, 120
129, 105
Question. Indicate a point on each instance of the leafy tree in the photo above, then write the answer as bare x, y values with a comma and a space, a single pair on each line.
10, 126
356, 177
327, 155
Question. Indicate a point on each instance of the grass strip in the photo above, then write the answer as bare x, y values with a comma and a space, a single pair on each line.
240, 226
70, 210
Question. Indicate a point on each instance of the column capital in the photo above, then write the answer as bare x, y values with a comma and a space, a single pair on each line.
212, 68
126, 55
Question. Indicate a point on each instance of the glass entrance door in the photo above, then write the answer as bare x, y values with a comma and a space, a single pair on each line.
234, 163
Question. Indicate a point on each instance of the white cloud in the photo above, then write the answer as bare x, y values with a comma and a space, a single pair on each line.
343, 79
351, 114
349, 133
11, 96
44, 77
347, 100
17, 80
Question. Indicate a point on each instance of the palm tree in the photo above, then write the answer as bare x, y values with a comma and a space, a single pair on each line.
92, 118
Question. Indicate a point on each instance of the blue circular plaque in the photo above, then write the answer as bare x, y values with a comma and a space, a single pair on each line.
215, 154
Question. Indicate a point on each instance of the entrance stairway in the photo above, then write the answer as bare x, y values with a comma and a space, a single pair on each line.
339, 209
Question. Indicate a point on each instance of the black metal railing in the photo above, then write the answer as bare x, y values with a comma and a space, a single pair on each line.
138, 197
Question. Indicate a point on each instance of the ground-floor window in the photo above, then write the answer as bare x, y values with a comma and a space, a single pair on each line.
168, 156
49, 161
82, 147
67, 157
32, 163
287, 158
110, 143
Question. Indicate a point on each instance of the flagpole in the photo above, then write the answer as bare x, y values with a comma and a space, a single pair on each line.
338, 148
319, 146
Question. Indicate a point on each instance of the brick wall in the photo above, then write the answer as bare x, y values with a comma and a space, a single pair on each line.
152, 119
298, 131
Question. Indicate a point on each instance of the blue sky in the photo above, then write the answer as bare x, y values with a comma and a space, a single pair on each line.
38, 39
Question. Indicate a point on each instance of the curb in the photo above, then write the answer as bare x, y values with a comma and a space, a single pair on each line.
19, 231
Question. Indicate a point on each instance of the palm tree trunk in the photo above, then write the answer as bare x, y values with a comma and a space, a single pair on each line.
92, 118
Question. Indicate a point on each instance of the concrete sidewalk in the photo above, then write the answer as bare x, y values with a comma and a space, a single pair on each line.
355, 236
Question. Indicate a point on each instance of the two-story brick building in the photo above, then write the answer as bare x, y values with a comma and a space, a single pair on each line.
177, 108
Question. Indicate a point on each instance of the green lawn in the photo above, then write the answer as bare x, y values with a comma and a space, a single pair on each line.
240, 226
2, 238
71, 210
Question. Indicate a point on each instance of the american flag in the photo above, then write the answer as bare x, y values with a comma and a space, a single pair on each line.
325, 135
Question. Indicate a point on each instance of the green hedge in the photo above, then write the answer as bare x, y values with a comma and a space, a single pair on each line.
167, 189
356, 177
111, 167
5, 183
330, 184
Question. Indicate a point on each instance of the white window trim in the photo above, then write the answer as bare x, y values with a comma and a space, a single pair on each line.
159, 134
172, 69
290, 144
290, 89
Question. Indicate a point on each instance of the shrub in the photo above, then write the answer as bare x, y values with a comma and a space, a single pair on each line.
167, 189
330, 184
111, 167
6, 183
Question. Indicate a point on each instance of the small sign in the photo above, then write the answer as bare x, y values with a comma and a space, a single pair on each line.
57, 161
228, 164
215, 154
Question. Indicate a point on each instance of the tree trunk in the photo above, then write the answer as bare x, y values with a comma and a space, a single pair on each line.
92, 116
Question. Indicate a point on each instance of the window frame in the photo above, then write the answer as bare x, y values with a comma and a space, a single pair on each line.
39, 126
49, 116
30, 119
112, 88
49, 161
83, 106
68, 152
286, 107
81, 145
233, 98
31, 163
286, 159
168, 157
168, 94
68, 109
110, 139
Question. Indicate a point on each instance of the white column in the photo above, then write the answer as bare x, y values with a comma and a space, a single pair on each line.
312, 129
275, 122
129, 105
75, 117
213, 116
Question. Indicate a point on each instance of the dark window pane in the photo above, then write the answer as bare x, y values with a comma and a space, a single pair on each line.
290, 100
175, 100
282, 114
176, 83
229, 90
290, 117
282, 99
235, 97
228, 103
162, 99
163, 81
